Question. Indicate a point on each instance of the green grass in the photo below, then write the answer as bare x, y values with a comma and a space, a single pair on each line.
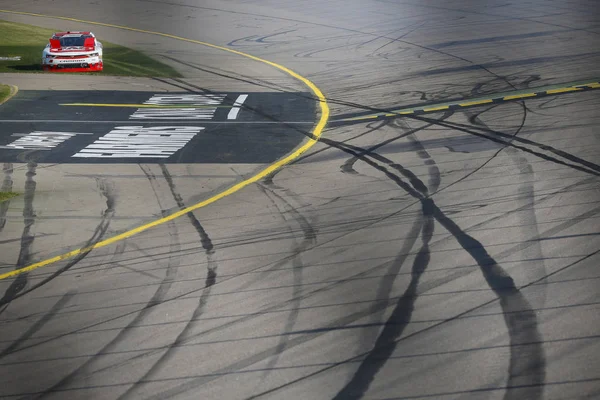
4, 92
7, 195
28, 41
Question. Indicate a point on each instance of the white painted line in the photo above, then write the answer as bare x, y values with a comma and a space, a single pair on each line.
150, 120
233, 113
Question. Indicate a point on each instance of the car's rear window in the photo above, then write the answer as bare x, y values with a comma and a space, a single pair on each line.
72, 41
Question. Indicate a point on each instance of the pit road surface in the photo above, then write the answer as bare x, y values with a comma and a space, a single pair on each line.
451, 255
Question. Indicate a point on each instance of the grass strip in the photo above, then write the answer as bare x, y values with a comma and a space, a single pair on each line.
7, 195
26, 42
4, 92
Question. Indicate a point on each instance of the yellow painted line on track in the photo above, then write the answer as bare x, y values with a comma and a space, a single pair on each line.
563, 90
476, 103
13, 91
316, 134
400, 113
142, 105
498, 98
436, 108
520, 96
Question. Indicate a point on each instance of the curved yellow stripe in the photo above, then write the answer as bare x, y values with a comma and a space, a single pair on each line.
316, 134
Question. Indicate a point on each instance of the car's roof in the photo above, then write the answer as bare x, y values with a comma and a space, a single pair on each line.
72, 34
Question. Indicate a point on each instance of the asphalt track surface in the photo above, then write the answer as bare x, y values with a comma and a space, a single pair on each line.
449, 255
66, 127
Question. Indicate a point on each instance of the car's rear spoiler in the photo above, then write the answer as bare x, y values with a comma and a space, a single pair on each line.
55, 44
88, 44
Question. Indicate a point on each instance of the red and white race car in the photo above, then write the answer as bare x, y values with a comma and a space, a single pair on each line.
72, 52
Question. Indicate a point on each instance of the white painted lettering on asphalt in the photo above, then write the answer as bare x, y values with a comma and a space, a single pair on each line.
174, 113
193, 107
140, 142
187, 99
40, 140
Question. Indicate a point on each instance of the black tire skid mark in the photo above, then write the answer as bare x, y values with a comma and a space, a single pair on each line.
152, 181
205, 240
199, 380
258, 357
498, 280
526, 366
241, 78
157, 297
251, 315
337, 101
348, 166
402, 36
27, 237
268, 180
386, 284
309, 238
269, 352
166, 81
96, 237
261, 39
169, 352
483, 165
308, 231
522, 327
411, 29
539, 201
505, 139
7, 184
493, 15
345, 118
516, 248
530, 79
211, 277
541, 146
503, 17
400, 318
39, 324
195, 382
549, 196
530, 227
434, 175
417, 188
249, 361
330, 100
310, 53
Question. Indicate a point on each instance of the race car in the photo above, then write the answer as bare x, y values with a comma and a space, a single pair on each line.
72, 52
